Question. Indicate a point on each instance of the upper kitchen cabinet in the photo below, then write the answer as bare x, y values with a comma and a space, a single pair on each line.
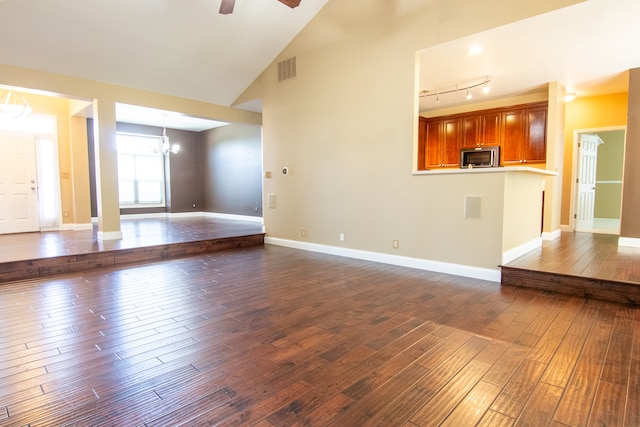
440, 146
481, 129
519, 130
523, 134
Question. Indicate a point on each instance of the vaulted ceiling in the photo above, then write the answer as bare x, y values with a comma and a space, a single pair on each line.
187, 49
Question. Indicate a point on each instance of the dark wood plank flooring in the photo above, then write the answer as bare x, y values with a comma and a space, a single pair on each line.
581, 264
33, 255
270, 336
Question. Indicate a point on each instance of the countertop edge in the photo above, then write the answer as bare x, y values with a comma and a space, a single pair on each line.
506, 169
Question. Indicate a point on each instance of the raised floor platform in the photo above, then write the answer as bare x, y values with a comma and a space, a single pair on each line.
34, 255
582, 264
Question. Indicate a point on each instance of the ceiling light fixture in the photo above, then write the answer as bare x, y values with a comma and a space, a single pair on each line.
14, 105
459, 88
569, 96
474, 50
165, 145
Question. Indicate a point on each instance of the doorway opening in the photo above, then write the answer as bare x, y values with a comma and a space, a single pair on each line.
29, 185
597, 180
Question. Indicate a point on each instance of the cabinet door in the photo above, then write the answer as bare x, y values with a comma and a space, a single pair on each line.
422, 130
490, 124
512, 136
433, 143
471, 131
451, 142
534, 149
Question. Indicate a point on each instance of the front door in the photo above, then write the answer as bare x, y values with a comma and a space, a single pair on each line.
18, 184
588, 160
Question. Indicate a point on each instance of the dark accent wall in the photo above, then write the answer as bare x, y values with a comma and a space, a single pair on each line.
182, 170
232, 170
630, 219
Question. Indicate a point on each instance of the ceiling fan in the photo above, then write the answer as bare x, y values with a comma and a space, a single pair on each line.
226, 6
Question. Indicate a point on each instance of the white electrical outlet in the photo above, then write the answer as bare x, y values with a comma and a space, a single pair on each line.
342, 237
304, 233
396, 244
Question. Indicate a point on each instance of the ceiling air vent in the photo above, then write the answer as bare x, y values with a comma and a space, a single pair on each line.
287, 69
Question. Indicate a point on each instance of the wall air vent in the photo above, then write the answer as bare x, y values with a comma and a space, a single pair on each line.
287, 69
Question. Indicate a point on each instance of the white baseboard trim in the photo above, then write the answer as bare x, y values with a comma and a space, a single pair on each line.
631, 242
552, 235
518, 251
402, 261
258, 219
109, 235
145, 215
566, 228
76, 227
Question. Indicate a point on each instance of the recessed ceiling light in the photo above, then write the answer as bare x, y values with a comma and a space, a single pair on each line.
475, 49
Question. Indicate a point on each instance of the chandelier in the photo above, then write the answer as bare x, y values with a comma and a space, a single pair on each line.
165, 145
14, 105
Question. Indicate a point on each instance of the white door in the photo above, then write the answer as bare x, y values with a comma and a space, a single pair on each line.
18, 184
587, 162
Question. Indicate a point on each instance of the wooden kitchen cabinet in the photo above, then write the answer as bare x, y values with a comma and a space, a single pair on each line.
523, 135
471, 131
442, 143
481, 129
491, 128
535, 148
519, 130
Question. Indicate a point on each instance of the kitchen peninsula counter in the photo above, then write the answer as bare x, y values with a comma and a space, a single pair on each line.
487, 216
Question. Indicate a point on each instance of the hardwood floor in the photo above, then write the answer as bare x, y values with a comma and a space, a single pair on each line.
33, 255
270, 336
581, 264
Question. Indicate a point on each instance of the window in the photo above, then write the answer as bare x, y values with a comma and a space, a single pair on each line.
140, 171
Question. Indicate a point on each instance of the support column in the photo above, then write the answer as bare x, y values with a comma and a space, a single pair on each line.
630, 213
555, 156
104, 131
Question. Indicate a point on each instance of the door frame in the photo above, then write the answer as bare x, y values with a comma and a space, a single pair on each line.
574, 165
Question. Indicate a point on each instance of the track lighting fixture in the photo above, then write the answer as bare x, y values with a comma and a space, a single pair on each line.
466, 88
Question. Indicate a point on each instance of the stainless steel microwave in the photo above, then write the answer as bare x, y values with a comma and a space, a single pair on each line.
480, 157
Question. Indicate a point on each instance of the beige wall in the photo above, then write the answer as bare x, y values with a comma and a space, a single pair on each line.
347, 126
79, 166
522, 210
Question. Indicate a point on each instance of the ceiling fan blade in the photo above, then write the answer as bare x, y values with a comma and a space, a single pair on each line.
290, 3
226, 6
